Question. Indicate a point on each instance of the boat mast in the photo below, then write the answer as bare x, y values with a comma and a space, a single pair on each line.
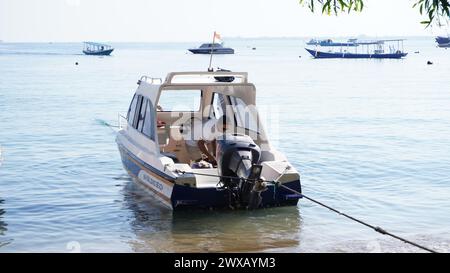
211, 55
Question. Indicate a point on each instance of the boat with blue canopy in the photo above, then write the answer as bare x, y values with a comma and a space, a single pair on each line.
379, 49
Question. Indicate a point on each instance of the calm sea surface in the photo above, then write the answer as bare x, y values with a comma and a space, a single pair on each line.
370, 137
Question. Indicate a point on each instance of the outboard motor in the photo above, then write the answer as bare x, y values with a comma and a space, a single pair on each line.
237, 159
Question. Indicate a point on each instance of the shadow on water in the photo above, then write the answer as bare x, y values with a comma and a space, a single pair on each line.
158, 229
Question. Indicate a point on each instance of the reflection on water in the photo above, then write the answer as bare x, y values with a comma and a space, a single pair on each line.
3, 225
158, 229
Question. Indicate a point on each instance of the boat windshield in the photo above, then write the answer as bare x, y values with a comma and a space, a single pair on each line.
210, 45
244, 116
179, 100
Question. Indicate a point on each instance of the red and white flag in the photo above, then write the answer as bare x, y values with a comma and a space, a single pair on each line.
217, 37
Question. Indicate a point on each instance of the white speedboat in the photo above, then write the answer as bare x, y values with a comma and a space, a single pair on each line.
167, 121
215, 48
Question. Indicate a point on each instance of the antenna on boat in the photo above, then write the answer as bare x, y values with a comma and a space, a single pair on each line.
210, 69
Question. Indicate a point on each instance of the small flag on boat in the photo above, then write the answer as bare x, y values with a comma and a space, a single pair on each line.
217, 37
216, 40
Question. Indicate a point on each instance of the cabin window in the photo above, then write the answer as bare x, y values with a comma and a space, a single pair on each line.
180, 100
141, 116
245, 116
137, 111
132, 110
149, 125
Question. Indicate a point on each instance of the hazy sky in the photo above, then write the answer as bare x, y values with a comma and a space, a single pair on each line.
195, 20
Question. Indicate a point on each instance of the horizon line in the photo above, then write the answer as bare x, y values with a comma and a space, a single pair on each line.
228, 38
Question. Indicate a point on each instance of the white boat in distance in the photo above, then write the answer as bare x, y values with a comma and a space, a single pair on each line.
159, 144
97, 49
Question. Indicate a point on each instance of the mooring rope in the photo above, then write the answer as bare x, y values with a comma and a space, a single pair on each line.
376, 228
210, 175
114, 128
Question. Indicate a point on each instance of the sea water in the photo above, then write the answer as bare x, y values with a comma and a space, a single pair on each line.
370, 138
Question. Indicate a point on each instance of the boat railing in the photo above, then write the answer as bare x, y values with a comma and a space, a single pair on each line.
121, 119
150, 80
204, 77
91, 46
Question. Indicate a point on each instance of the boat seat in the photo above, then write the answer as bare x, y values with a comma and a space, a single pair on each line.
171, 156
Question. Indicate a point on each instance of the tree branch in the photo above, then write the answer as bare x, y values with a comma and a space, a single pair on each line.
434, 10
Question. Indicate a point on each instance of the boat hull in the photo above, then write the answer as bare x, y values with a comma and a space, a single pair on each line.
444, 45
338, 55
214, 51
176, 197
99, 53
443, 40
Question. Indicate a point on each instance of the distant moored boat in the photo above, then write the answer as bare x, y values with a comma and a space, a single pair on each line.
368, 50
345, 55
91, 48
215, 48
443, 41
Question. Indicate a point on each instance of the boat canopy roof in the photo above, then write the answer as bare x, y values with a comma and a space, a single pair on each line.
356, 42
96, 44
200, 77
205, 81
378, 42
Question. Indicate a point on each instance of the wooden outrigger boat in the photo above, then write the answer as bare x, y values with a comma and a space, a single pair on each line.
367, 50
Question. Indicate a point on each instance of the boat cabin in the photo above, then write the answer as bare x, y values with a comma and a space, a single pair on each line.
174, 115
215, 45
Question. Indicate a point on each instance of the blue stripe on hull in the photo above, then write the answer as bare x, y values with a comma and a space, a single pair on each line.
185, 196
126, 153
334, 55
